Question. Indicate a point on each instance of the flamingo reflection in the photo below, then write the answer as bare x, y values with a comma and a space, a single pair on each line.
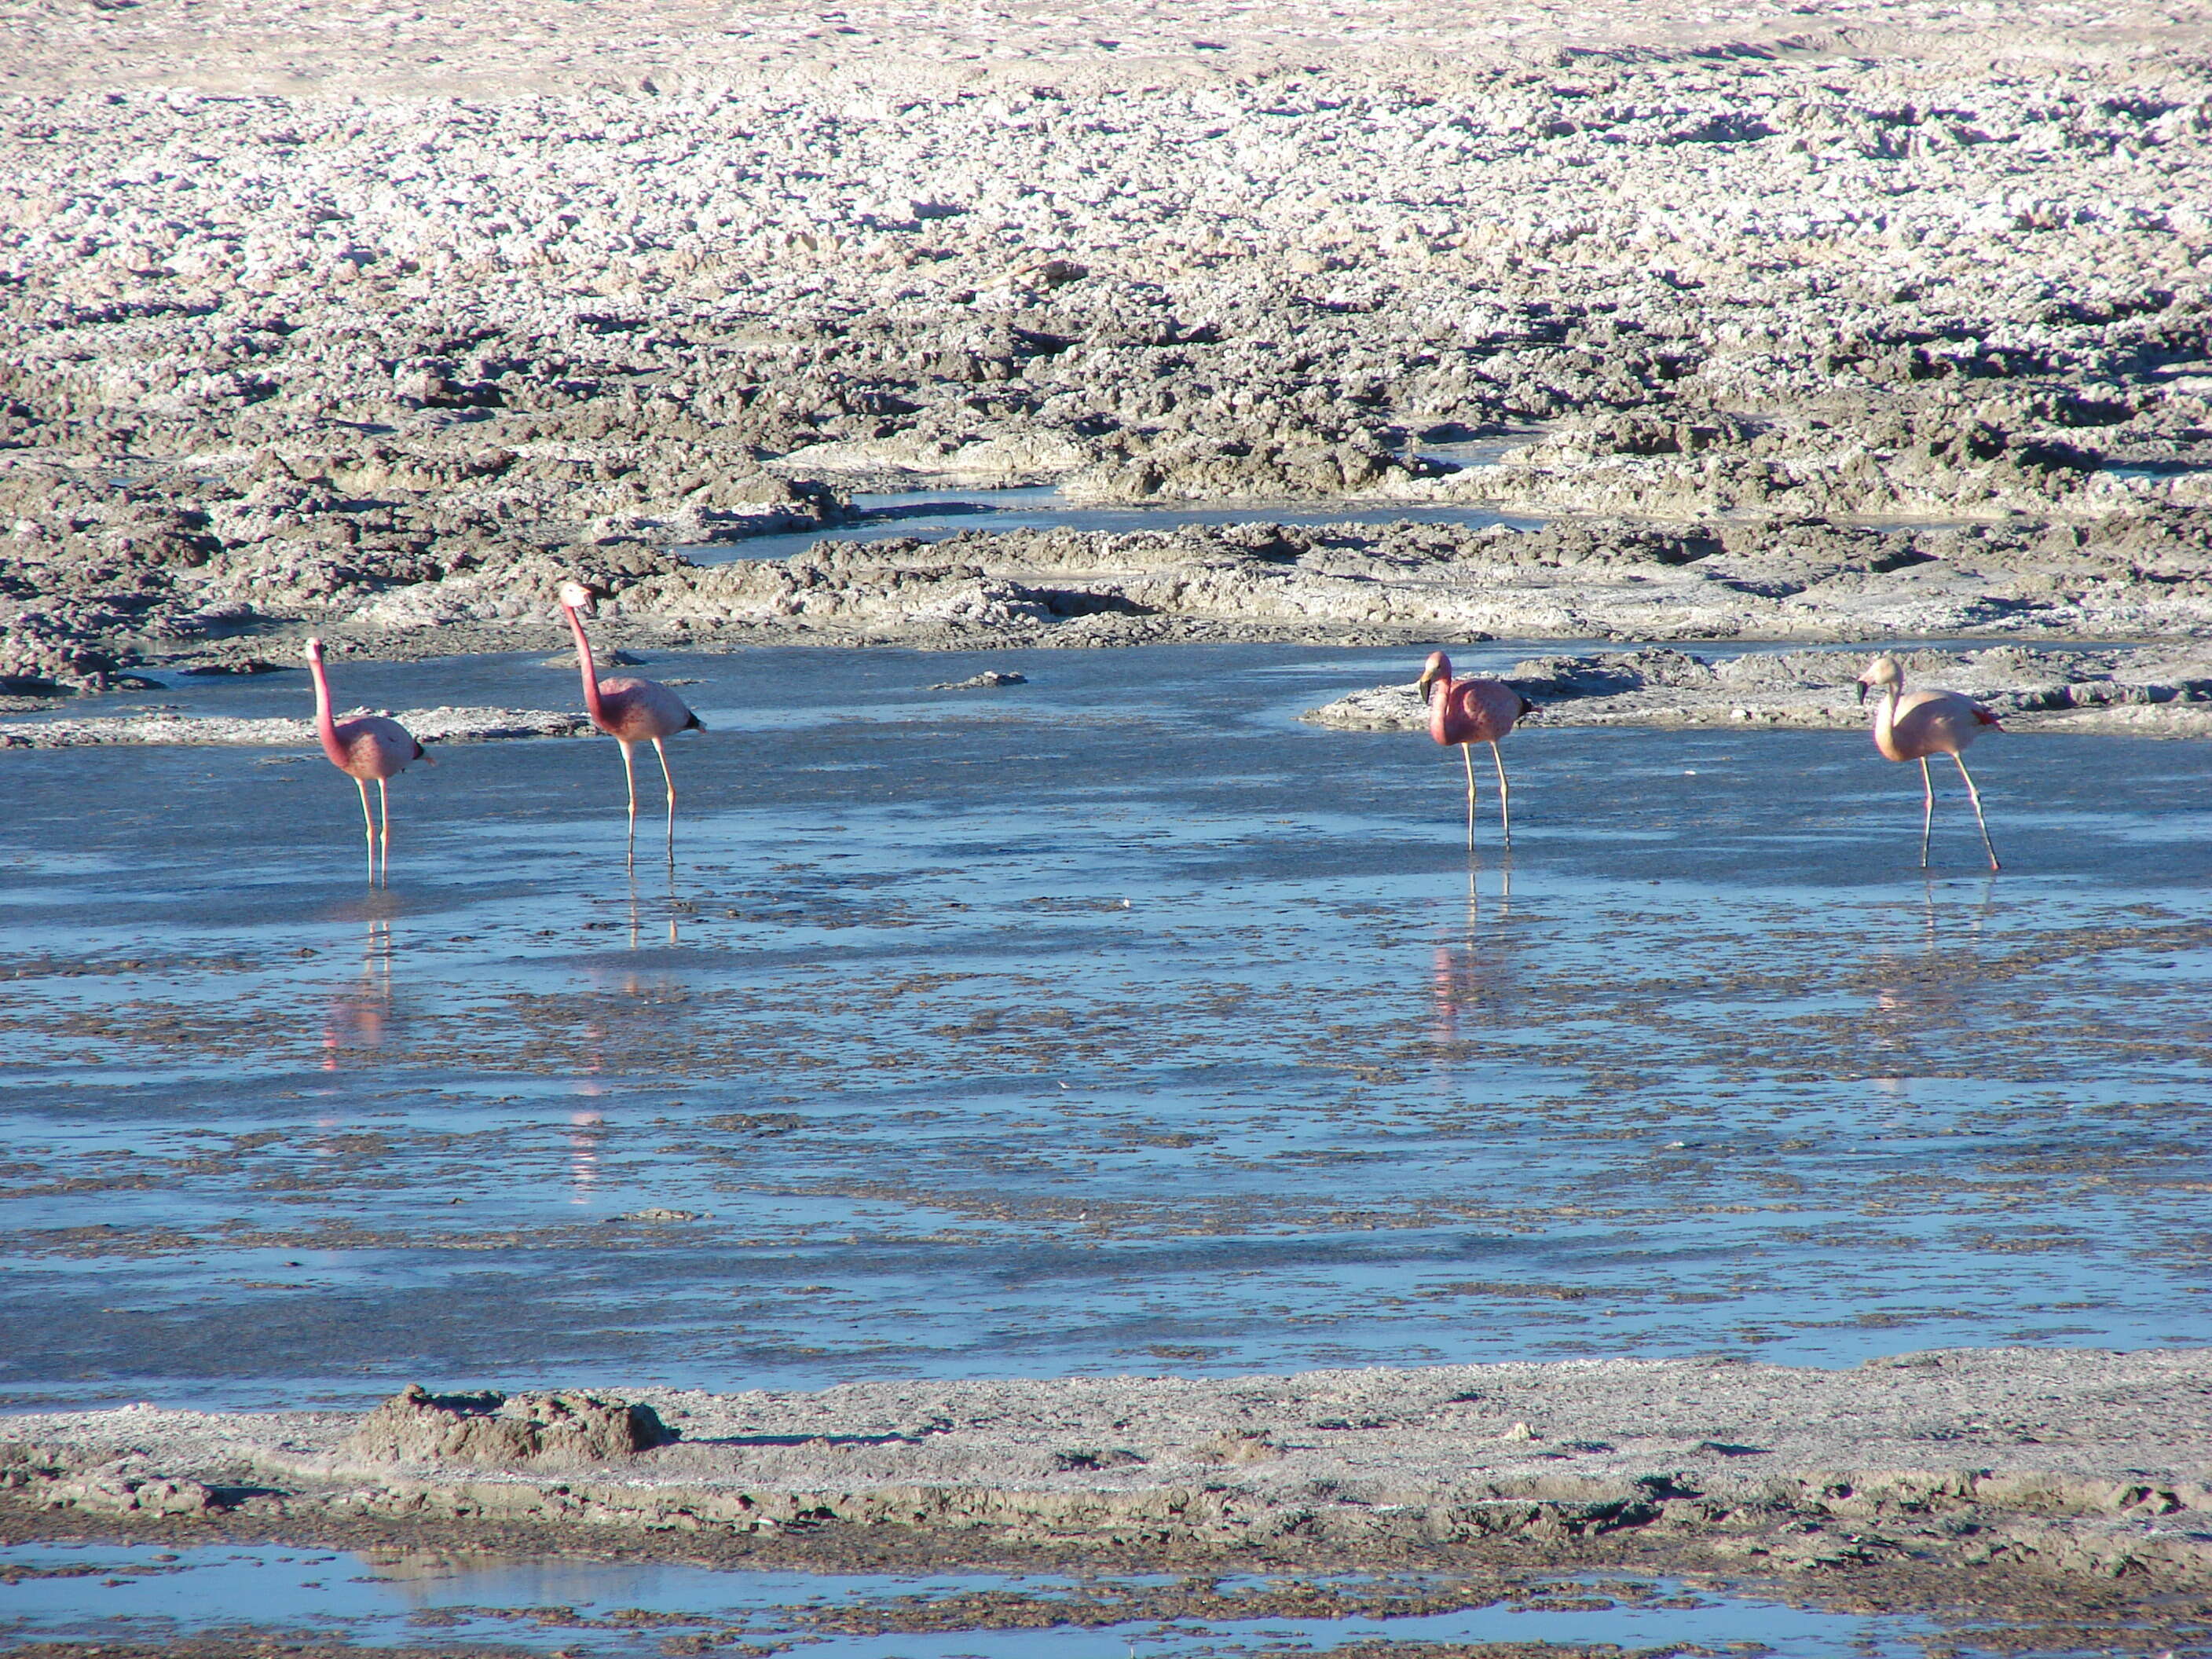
360, 1016
1469, 978
637, 909
586, 1130
1912, 997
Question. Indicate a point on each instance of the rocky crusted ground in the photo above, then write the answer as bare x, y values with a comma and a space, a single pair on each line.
2149, 692
2080, 1463
288, 336
441, 724
2138, 577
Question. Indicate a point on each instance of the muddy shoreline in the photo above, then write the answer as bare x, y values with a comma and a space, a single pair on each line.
2048, 1491
2138, 579
2154, 691
2076, 1463
2150, 691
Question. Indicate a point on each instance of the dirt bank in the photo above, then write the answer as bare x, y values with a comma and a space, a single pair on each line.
2077, 1463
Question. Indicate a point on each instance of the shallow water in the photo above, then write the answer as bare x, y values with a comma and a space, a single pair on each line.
105, 1592
1112, 1023
932, 514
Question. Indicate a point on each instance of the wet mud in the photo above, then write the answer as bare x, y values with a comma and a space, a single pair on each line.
177, 1588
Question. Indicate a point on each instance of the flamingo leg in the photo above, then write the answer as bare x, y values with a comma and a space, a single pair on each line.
384, 807
1927, 809
671, 782
1975, 796
629, 777
1504, 795
1467, 754
367, 827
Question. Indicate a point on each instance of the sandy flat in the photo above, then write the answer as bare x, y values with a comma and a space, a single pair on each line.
2073, 1460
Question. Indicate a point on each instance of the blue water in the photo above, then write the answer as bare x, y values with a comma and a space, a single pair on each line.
1115, 1022
122, 1592
930, 515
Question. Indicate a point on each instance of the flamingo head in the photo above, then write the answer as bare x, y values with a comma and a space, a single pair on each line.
575, 596
1882, 674
1438, 667
312, 651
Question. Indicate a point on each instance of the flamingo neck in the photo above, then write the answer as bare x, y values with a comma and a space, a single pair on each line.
326, 728
584, 662
1440, 703
1885, 721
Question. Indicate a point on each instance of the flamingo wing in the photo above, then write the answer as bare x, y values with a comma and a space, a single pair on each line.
1939, 722
376, 747
1489, 708
638, 710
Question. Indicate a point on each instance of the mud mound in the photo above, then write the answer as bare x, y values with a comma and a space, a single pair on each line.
490, 1430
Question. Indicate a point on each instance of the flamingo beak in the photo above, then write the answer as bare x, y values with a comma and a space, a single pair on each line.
1863, 691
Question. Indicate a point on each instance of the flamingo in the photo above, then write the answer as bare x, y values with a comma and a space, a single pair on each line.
631, 711
368, 746
1468, 712
1927, 723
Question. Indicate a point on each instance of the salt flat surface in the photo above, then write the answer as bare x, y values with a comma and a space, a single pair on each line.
513, 43
384, 324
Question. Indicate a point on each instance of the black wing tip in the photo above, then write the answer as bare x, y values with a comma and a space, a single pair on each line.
695, 724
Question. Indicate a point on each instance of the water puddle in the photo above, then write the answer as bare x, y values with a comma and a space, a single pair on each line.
933, 514
1112, 1023
2176, 468
111, 1593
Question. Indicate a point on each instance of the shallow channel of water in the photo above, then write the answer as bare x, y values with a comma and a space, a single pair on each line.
1112, 1023
112, 1593
932, 514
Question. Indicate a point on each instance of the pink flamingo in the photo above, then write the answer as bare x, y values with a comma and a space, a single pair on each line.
365, 747
1468, 712
630, 711
1927, 723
